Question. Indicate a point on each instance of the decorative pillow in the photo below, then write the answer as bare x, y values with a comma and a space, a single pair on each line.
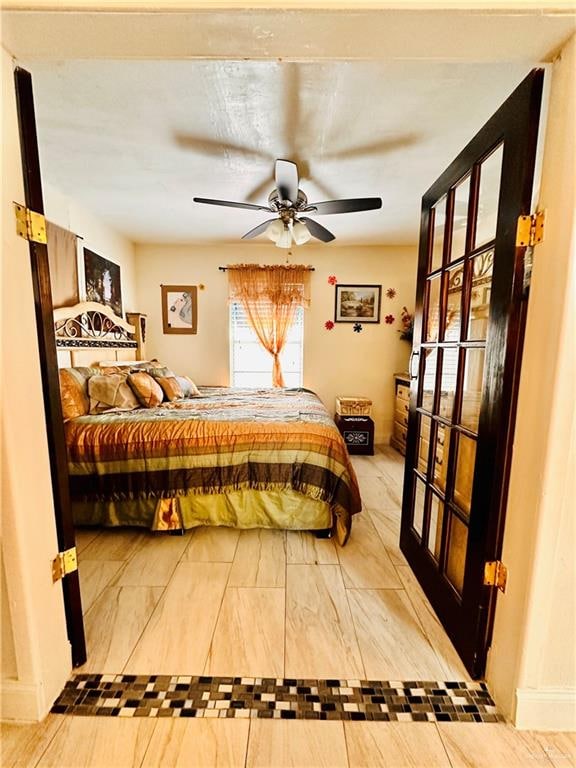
159, 371
74, 391
189, 389
170, 387
110, 392
146, 389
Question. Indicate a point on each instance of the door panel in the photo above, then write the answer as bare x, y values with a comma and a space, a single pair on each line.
49, 364
467, 341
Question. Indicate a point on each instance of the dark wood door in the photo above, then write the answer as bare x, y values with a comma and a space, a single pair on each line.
468, 333
49, 364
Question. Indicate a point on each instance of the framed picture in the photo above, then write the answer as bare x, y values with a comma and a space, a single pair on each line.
102, 281
357, 304
179, 308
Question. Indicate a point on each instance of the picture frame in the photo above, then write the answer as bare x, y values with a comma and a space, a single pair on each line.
357, 303
101, 281
179, 308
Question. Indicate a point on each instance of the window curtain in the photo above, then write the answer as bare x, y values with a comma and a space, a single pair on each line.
270, 296
63, 265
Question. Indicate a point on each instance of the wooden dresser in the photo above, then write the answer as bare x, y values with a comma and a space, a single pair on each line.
401, 405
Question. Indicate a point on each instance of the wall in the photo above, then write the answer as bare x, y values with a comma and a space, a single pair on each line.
33, 611
98, 237
335, 362
532, 664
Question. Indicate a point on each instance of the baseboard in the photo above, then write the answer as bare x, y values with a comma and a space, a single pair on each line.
21, 702
545, 709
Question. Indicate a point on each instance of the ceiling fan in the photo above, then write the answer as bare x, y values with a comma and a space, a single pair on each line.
288, 202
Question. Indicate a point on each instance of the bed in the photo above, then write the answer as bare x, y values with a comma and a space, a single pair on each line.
270, 458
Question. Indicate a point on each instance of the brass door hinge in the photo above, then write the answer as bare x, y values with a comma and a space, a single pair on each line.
64, 563
29, 224
530, 230
495, 574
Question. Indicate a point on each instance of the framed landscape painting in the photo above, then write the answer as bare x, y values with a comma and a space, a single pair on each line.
357, 304
102, 281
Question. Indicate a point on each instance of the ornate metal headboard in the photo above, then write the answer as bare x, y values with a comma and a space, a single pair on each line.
88, 326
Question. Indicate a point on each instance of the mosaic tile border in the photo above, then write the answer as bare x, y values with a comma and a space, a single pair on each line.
282, 698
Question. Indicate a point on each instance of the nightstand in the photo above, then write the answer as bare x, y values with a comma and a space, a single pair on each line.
401, 408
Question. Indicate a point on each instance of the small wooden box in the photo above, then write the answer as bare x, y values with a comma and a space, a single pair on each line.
358, 434
353, 406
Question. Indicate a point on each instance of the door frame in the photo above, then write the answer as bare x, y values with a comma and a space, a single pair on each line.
49, 363
502, 368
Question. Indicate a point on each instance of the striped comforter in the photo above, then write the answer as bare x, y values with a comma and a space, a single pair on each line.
226, 440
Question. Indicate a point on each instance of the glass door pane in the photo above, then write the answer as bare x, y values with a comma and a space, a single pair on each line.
432, 326
487, 214
456, 559
435, 529
481, 289
472, 388
453, 318
460, 219
438, 235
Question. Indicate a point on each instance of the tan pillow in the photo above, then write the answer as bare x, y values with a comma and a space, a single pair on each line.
189, 389
170, 387
146, 389
74, 391
110, 392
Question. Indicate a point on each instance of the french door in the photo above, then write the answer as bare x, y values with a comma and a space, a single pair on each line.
470, 308
48, 362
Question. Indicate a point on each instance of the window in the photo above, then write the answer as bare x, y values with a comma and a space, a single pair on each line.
251, 364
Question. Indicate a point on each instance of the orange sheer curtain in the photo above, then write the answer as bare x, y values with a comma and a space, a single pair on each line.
269, 296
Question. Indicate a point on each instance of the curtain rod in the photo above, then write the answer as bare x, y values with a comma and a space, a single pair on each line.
225, 269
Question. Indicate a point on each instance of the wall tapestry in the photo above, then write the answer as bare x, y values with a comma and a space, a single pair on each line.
102, 281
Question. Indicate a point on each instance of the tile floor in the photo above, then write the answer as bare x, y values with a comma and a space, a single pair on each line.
276, 605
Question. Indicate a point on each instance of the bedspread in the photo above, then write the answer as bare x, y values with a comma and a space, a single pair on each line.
223, 441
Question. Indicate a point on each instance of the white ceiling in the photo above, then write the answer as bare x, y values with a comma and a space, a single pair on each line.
135, 140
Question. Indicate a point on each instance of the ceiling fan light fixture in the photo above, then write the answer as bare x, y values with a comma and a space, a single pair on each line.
285, 239
274, 230
300, 233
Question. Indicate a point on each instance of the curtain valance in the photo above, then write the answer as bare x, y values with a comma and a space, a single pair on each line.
279, 284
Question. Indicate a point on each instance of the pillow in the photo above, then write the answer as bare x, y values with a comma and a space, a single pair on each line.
159, 371
170, 387
189, 389
110, 392
74, 391
146, 389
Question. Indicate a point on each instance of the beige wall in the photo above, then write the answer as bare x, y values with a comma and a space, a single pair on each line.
35, 673
335, 362
98, 237
532, 664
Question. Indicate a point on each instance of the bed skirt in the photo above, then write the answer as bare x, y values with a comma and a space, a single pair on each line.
237, 509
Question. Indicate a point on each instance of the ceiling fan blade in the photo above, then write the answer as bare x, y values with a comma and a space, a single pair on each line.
347, 206
228, 204
286, 174
216, 148
260, 190
257, 230
374, 148
317, 230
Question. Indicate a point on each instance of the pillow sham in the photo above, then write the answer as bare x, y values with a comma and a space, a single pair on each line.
170, 387
160, 371
146, 389
189, 389
110, 392
74, 391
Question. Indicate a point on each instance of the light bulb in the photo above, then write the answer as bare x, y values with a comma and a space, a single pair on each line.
300, 233
275, 229
285, 239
